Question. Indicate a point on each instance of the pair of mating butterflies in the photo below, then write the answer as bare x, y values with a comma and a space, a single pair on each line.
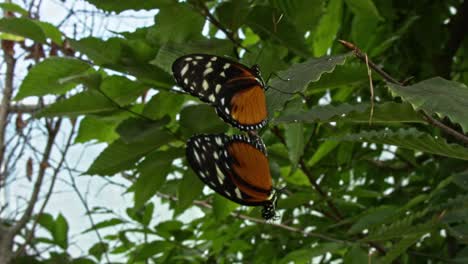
235, 167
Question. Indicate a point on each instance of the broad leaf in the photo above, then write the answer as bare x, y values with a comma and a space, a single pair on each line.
386, 113
198, 119
48, 77
412, 139
297, 77
437, 96
110, 5
119, 156
153, 172
23, 27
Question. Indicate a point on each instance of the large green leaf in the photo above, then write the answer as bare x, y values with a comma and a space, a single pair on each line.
364, 8
411, 139
119, 156
23, 27
198, 119
222, 207
102, 52
137, 129
49, 77
88, 102
437, 96
111, 5
60, 233
386, 113
372, 217
264, 21
297, 77
303, 14
190, 187
162, 104
400, 248
188, 27
13, 8
95, 128
304, 255
232, 14
328, 27
153, 172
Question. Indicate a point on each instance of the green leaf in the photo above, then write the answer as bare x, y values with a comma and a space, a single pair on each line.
399, 248
303, 14
461, 180
190, 187
101, 52
306, 254
153, 172
119, 156
104, 224
60, 233
373, 217
163, 103
122, 90
356, 255
232, 14
198, 119
95, 128
297, 77
328, 27
261, 20
386, 113
98, 249
189, 24
50, 31
364, 8
401, 228
136, 129
411, 139
23, 27
47, 77
437, 96
47, 221
88, 102
294, 136
148, 250
111, 5
13, 8
222, 207
322, 151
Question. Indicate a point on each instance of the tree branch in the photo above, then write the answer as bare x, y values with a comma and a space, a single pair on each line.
40, 177
57, 169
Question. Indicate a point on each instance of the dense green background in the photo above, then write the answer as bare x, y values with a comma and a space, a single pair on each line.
352, 197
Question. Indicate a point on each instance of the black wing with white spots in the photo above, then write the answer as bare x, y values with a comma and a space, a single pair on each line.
235, 167
235, 90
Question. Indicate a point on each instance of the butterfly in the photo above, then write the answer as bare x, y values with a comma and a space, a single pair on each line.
236, 91
236, 167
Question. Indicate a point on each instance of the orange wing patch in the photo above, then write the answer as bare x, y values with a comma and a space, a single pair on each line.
249, 106
252, 167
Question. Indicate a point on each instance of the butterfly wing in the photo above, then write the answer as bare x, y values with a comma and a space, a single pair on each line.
236, 167
235, 90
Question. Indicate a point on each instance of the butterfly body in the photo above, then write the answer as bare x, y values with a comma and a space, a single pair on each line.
236, 167
235, 90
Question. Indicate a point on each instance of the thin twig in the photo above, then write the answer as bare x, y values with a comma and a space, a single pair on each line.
57, 169
360, 55
262, 221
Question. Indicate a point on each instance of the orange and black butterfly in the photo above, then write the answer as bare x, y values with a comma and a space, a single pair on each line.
236, 91
235, 167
